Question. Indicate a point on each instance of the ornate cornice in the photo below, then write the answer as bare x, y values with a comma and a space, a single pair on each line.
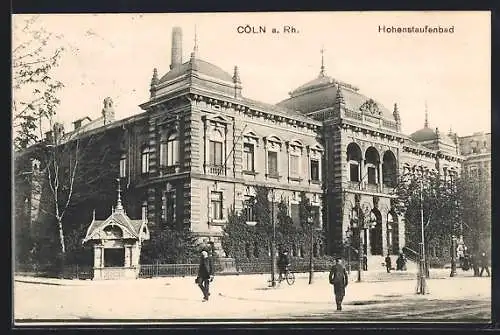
251, 111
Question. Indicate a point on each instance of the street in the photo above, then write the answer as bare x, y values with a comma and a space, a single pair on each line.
462, 298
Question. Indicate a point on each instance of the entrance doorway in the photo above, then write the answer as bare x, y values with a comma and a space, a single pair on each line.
376, 233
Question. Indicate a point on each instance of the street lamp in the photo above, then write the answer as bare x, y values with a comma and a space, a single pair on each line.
273, 243
453, 271
348, 234
422, 268
362, 223
310, 222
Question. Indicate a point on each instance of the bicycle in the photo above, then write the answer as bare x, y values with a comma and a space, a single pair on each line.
289, 277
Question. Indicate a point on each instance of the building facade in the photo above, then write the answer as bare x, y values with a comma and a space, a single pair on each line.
200, 147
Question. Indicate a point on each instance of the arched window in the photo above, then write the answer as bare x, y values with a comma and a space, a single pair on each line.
354, 161
372, 159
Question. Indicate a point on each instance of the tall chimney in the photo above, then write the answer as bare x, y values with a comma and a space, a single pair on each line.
176, 47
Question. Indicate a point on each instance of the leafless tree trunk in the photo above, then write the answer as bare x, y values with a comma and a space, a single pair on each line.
56, 182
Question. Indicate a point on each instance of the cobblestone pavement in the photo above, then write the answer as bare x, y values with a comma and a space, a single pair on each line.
249, 297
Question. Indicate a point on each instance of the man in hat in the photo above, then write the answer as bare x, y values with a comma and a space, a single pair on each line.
205, 275
339, 279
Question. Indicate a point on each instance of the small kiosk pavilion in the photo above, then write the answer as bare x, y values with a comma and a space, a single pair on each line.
117, 243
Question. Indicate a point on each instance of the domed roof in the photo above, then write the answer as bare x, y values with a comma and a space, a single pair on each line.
427, 134
424, 134
200, 66
317, 82
322, 92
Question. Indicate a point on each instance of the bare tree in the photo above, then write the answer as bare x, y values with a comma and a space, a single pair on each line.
65, 163
34, 55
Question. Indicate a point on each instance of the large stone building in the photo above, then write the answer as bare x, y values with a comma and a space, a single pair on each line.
200, 147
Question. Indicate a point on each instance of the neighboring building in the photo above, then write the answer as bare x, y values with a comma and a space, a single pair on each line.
476, 150
200, 147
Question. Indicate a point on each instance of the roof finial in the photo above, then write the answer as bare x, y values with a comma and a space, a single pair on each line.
322, 72
154, 79
93, 215
426, 123
195, 48
119, 206
236, 75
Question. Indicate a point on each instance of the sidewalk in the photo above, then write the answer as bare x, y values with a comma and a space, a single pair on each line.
243, 296
367, 276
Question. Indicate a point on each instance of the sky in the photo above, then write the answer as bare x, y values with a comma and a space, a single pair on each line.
114, 55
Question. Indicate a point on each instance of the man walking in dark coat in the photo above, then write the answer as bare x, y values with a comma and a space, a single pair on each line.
474, 264
388, 263
339, 279
205, 275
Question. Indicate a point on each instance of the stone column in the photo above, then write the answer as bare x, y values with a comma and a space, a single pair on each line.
97, 256
367, 242
385, 242
128, 259
379, 177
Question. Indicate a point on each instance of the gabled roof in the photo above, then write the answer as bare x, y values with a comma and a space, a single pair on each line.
136, 229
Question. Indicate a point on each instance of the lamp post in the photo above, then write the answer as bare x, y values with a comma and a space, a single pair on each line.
310, 221
422, 269
364, 223
361, 249
348, 234
453, 271
273, 243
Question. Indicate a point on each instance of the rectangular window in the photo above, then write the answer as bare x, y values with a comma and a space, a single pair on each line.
354, 172
123, 167
144, 210
372, 175
215, 152
314, 170
216, 201
248, 205
272, 163
163, 154
169, 207
145, 161
294, 165
172, 152
248, 156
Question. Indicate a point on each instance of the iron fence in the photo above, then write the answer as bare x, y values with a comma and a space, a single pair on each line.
257, 266
70, 271
167, 270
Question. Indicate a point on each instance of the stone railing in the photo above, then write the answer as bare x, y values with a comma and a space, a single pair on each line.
218, 170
